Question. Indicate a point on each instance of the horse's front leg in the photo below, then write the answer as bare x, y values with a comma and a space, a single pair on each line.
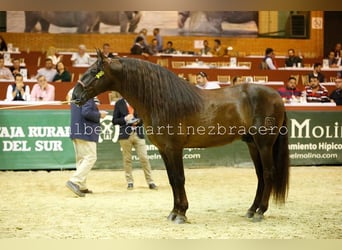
174, 165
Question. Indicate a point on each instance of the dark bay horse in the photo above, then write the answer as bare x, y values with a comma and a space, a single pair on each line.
179, 115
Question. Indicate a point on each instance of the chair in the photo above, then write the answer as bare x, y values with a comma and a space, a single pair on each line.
223, 78
332, 78
297, 78
260, 78
164, 62
247, 79
263, 65
38, 61
223, 64
72, 77
248, 64
178, 64
192, 78
305, 80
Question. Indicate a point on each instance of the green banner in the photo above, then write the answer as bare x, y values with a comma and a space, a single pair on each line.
39, 139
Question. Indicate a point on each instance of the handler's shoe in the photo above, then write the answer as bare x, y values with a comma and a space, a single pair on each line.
152, 186
130, 186
86, 191
75, 188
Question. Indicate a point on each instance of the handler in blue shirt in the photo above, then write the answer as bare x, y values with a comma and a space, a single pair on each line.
84, 131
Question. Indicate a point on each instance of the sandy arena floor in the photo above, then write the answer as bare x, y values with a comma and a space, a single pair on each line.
37, 205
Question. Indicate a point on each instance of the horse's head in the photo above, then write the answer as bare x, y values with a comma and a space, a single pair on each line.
95, 81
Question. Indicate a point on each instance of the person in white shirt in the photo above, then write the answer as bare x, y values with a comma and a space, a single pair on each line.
203, 83
18, 91
80, 57
48, 71
269, 59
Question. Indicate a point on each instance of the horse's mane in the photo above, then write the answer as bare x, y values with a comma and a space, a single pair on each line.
163, 93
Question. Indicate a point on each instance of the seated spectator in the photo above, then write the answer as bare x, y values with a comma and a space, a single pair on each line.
3, 44
292, 60
336, 95
52, 54
218, 50
269, 62
43, 91
206, 50
337, 50
289, 91
139, 48
106, 50
142, 33
203, 83
332, 60
317, 72
5, 73
62, 74
315, 92
81, 57
15, 68
152, 49
18, 91
169, 48
48, 71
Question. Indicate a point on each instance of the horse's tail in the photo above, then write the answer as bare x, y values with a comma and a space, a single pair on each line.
281, 164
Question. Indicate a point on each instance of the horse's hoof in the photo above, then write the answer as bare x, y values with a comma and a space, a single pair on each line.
172, 216
258, 217
180, 219
250, 214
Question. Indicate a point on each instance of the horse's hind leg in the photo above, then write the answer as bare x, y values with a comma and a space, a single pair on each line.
259, 172
175, 171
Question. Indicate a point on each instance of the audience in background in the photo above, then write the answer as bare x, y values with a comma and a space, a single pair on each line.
62, 74
152, 48
106, 51
338, 50
81, 57
203, 83
52, 54
336, 95
5, 73
48, 71
206, 50
290, 91
3, 44
18, 91
142, 33
317, 72
156, 35
139, 48
269, 60
169, 48
16, 68
218, 49
42, 90
292, 60
315, 92
332, 59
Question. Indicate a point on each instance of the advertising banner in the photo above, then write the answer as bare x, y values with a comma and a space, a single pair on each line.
39, 139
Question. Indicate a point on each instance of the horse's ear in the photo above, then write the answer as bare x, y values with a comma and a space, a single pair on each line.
100, 57
99, 54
